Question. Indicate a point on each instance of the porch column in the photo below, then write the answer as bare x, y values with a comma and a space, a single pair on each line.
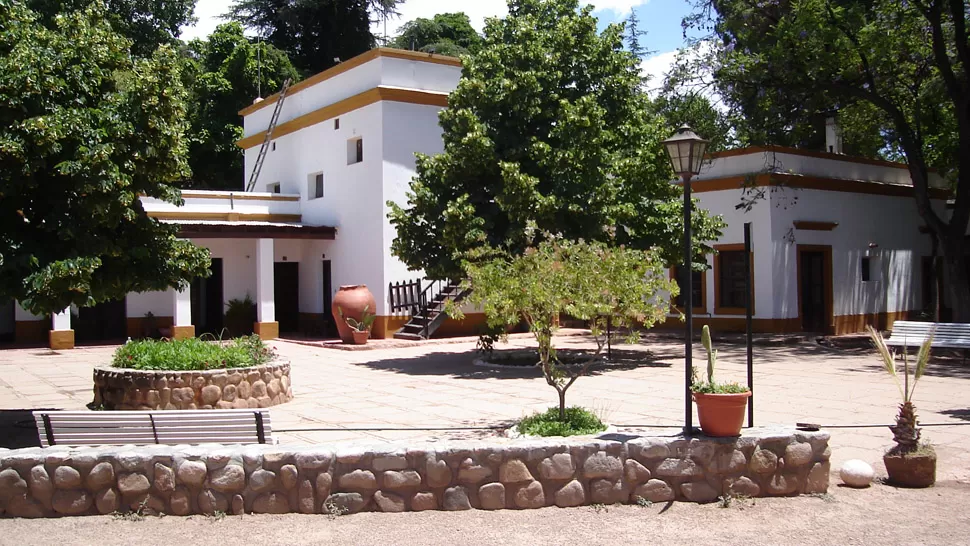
61, 335
182, 327
266, 326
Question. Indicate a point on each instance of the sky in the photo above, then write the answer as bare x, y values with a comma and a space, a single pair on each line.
659, 18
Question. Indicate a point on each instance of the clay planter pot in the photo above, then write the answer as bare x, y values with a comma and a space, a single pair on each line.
360, 338
351, 299
721, 414
911, 469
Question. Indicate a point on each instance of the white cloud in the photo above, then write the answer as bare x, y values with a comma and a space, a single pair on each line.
656, 68
208, 11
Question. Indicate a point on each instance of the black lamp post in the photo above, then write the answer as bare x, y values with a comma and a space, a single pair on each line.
686, 152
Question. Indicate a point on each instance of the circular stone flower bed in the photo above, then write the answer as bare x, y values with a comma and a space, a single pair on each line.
192, 374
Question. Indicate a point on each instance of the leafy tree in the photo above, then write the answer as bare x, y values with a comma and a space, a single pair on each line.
904, 67
316, 34
548, 128
147, 23
585, 280
225, 73
445, 34
632, 35
85, 130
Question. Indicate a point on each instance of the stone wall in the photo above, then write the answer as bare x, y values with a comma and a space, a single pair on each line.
184, 480
240, 388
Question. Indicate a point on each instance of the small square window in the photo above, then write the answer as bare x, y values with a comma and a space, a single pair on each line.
315, 190
273, 188
336, 124
274, 146
355, 150
866, 266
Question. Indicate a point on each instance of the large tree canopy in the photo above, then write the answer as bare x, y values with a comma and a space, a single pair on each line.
445, 34
903, 68
548, 129
147, 23
225, 73
316, 34
85, 130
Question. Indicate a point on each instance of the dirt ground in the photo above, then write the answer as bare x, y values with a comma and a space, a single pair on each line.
874, 516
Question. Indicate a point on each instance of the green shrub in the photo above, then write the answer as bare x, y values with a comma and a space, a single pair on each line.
578, 421
193, 354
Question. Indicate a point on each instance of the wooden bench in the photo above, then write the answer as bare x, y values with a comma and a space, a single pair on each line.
945, 335
87, 428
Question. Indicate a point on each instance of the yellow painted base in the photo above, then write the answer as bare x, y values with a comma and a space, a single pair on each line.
183, 332
267, 330
61, 339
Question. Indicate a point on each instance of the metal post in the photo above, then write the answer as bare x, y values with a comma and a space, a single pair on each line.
747, 305
689, 309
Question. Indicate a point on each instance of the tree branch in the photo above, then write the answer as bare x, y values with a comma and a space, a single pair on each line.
960, 33
933, 15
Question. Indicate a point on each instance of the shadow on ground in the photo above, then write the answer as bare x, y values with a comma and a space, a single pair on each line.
17, 429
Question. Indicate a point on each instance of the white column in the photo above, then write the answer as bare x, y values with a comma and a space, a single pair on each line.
265, 303
182, 306
62, 320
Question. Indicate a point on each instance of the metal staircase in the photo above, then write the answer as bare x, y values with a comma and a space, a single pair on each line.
269, 137
427, 305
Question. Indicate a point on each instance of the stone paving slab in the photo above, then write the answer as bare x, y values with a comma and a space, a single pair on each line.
388, 395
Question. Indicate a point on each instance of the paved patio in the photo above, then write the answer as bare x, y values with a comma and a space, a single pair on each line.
398, 393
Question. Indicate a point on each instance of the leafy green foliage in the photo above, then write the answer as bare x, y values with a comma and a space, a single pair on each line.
585, 280
444, 34
362, 325
225, 73
193, 354
549, 128
85, 129
710, 386
316, 34
899, 71
577, 421
240, 316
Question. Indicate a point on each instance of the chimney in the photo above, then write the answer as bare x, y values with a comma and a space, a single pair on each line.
833, 136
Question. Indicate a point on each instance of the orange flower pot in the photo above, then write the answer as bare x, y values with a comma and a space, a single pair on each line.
721, 414
360, 338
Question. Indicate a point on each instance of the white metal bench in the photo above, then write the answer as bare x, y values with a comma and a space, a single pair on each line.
86, 428
945, 335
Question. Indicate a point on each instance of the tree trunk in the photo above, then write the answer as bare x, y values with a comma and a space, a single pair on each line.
956, 267
562, 405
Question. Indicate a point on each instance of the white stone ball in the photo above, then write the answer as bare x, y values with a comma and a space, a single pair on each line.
856, 473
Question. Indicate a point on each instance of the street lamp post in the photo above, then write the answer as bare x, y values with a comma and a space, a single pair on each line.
686, 152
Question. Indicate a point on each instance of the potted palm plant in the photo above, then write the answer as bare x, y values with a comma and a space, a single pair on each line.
360, 329
909, 463
720, 406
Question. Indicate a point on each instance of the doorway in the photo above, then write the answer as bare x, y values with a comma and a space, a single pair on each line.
7, 321
106, 321
286, 292
329, 324
207, 302
815, 288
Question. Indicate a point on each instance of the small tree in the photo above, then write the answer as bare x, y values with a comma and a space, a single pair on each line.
586, 280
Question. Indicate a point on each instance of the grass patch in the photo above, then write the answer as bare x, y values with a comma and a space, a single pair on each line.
578, 421
707, 387
193, 354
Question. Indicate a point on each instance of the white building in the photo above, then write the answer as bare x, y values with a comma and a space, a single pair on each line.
836, 246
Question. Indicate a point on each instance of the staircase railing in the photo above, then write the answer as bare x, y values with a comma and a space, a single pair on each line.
421, 297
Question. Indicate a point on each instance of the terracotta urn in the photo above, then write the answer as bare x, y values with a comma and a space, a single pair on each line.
721, 414
350, 302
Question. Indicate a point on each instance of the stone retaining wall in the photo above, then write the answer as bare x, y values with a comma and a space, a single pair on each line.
240, 388
184, 480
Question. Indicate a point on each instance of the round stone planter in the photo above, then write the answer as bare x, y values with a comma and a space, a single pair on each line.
239, 388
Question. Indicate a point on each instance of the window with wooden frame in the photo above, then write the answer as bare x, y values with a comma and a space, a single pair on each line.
355, 150
315, 186
698, 287
729, 280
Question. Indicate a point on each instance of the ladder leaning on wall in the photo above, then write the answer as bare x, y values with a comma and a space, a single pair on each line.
269, 136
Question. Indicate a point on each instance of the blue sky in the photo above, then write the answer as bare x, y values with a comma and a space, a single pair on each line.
659, 18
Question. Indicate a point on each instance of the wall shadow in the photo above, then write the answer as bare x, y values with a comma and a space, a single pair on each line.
18, 429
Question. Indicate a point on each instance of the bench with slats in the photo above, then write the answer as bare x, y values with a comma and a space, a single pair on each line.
911, 334
86, 428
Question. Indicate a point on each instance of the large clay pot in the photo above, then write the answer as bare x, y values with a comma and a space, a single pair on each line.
911, 469
351, 300
721, 414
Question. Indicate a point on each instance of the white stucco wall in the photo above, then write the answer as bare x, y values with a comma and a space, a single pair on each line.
160, 304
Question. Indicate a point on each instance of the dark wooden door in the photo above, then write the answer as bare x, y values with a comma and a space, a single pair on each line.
208, 306
813, 311
104, 322
286, 291
330, 328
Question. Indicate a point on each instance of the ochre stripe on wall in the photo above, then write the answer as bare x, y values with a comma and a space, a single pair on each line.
225, 216
350, 64
361, 100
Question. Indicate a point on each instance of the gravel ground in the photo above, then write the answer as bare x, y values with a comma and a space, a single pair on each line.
878, 515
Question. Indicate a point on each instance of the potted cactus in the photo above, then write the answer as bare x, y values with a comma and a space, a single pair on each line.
910, 463
720, 406
360, 329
